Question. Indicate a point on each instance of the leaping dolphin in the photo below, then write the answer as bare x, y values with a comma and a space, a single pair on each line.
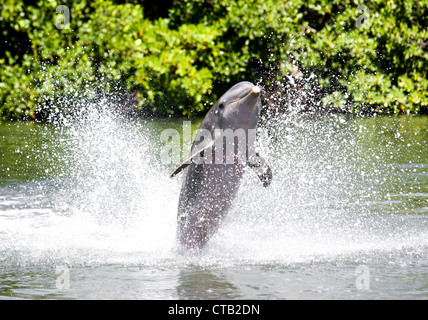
216, 164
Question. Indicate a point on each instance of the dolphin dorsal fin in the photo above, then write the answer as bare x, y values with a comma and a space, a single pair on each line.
262, 169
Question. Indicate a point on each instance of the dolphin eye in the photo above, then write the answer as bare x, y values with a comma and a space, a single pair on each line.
221, 106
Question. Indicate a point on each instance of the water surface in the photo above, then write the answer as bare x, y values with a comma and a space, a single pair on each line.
87, 211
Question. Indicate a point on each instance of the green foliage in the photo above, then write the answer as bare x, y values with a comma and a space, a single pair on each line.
180, 64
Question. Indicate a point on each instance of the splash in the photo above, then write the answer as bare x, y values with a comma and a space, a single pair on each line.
113, 202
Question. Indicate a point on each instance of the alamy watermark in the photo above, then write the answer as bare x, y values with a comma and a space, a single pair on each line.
62, 280
63, 20
222, 146
363, 280
362, 19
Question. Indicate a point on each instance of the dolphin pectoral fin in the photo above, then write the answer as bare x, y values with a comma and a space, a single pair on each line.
179, 169
262, 169
200, 151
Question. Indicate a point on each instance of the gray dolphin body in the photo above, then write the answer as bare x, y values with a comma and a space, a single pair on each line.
212, 179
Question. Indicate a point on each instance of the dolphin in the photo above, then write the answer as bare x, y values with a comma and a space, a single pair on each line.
216, 164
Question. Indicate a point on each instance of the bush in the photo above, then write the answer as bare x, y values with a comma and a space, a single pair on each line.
180, 64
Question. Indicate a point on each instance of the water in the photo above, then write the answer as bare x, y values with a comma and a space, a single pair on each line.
88, 211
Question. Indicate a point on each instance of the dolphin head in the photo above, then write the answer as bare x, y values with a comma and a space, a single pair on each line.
239, 107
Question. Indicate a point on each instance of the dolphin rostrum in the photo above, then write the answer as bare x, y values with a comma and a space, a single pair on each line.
216, 164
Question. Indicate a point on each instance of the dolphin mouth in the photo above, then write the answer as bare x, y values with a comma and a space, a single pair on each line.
254, 90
